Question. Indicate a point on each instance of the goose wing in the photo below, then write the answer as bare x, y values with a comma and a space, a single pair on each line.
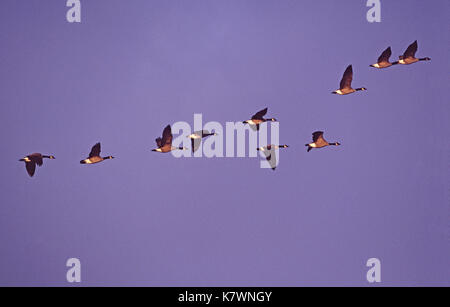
384, 57
347, 78
95, 151
317, 135
271, 157
195, 144
260, 114
167, 136
36, 158
31, 168
411, 51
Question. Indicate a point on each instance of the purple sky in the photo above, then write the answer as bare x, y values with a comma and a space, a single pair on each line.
132, 67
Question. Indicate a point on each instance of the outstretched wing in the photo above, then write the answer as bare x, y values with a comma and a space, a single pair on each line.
31, 168
95, 151
317, 135
411, 51
260, 114
384, 57
167, 136
347, 79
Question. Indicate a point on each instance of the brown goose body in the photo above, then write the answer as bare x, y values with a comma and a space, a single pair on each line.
94, 156
269, 152
258, 118
165, 143
345, 86
32, 160
409, 57
196, 138
319, 141
383, 60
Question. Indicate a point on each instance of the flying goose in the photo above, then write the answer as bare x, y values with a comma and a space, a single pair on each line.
319, 141
94, 156
196, 138
269, 152
165, 143
258, 119
409, 57
383, 60
32, 160
346, 83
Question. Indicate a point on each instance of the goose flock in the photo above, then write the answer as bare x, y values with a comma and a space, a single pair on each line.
164, 143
